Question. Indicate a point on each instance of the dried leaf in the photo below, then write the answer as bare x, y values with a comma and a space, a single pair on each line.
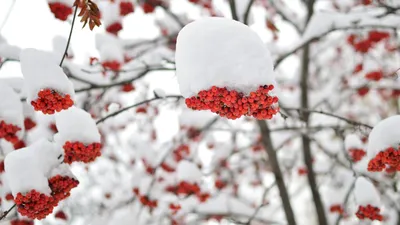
89, 12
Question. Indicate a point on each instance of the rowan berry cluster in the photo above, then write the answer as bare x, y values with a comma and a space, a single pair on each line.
21, 222
356, 154
167, 168
369, 212
233, 104
79, 152
128, 87
149, 6
174, 208
125, 8
337, 208
181, 152
60, 215
364, 45
9, 132
114, 28
144, 199
60, 10
389, 158
49, 101
29, 123
36, 205
374, 75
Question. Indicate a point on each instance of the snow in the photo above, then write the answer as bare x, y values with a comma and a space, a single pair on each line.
11, 110
366, 193
244, 63
159, 93
29, 168
385, 134
75, 124
353, 141
41, 71
63, 170
9, 51
109, 47
196, 119
109, 12
188, 171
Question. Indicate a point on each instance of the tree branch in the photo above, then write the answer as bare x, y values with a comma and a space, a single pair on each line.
268, 146
232, 6
135, 105
7, 212
70, 36
247, 13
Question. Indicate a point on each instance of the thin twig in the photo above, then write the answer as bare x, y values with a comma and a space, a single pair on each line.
135, 105
69, 37
7, 15
232, 6
247, 13
7, 212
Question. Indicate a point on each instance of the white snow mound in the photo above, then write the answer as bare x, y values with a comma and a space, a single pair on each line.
352, 141
221, 52
188, 171
29, 168
41, 71
75, 124
366, 193
385, 134
11, 110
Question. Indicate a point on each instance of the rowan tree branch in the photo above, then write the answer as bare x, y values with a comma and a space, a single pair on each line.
5, 213
70, 36
273, 159
232, 6
247, 12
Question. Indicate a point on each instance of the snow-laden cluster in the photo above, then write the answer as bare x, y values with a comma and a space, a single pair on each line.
78, 134
242, 81
110, 50
61, 9
384, 145
368, 200
42, 182
354, 147
11, 114
48, 88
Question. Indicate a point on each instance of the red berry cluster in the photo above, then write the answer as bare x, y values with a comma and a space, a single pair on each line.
125, 8
149, 6
220, 184
374, 75
114, 28
20, 144
233, 105
111, 65
29, 123
187, 188
181, 152
128, 87
356, 154
337, 208
60, 10
61, 186
61, 215
9, 132
34, 205
390, 157
79, 152
144, 199
167, 168
9, 197
50, 101
362, 91
1, 166
364, 45
302, 171
21, 222
369, 212
174, 208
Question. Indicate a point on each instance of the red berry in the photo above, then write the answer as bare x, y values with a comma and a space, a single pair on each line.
79, 152
50, 101
60, 10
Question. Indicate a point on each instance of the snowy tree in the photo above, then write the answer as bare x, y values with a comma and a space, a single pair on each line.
182, 112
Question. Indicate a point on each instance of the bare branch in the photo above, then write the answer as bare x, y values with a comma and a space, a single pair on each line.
70, 36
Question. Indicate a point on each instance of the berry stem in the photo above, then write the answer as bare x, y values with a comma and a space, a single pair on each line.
70, 35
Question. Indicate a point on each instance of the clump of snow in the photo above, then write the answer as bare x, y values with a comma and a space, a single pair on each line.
41, 71
62, 170
353, 141
221, 52
11, 110
29, 168
385, 134
159, 93
109, 47
188, 171
109, 12
366, 193
196, 119
9, 51
75, 124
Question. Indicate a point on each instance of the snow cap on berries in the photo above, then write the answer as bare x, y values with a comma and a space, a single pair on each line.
11, 110
353, 141
223, 53
76, 125
28, 168
385, 134
41, 71
109, 47
366, 193
188, 171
